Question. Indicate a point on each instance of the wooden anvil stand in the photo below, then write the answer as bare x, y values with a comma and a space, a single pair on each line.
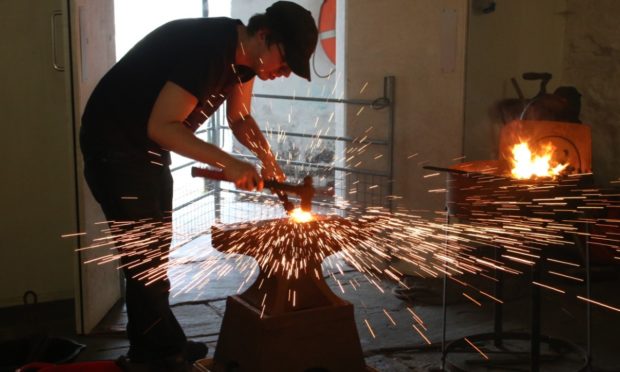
288, 320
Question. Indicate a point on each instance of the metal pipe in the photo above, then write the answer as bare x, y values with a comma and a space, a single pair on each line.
377, 104
199, 197
329, 138
294, 162
498, 309
535, 309
217, 138
321, 166
389, 92
588, 306
444, 297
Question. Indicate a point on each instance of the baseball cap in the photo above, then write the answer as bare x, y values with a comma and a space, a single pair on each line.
298, 32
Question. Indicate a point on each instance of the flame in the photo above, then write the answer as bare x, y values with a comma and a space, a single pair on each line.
528, 165
299, 215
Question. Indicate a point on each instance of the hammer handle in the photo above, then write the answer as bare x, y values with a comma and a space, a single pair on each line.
218, 175
276, 187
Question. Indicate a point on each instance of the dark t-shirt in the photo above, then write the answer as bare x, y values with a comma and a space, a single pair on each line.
196, 54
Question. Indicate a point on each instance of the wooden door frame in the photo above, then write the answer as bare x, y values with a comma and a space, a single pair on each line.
91, 31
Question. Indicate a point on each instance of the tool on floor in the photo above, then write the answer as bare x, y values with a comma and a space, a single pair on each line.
305, 190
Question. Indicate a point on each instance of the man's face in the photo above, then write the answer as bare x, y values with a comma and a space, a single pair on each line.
272, 62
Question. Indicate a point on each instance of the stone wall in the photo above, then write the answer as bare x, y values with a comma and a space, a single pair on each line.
592, 64
519, 36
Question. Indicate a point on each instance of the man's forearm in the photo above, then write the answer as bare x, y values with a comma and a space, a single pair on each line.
178, 138
249, 135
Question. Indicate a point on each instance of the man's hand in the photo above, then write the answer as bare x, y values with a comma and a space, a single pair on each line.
244, 175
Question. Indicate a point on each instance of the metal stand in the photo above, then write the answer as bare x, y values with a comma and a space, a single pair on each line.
588, 366
501, 340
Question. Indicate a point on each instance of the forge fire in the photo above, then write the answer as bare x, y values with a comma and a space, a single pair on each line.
527, 164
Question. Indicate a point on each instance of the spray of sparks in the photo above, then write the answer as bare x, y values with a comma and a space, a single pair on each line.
518, 219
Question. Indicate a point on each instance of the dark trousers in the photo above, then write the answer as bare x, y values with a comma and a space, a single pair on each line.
136, 198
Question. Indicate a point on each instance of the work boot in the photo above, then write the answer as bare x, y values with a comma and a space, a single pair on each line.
173, 363
136, 360
195, 350
126, 365
136, 355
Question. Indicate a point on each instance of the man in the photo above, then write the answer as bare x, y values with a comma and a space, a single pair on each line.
151, 102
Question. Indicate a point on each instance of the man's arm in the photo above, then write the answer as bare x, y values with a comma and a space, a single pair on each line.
247, 132
166, 128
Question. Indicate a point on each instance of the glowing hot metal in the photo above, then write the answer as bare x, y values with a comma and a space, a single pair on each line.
301, 216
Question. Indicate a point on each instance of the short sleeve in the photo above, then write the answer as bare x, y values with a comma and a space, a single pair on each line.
191, 74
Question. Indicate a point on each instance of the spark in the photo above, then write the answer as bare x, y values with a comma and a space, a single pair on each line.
372, 333
548, 287
566, 276
599, 303
73, 235
471, 299
421, 334
476, 348
416, 317
389, 317
491, 297
438, 190
563, 262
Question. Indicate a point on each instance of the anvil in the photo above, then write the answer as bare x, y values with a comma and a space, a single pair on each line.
289, 319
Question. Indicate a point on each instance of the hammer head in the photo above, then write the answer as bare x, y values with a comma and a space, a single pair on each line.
305, 191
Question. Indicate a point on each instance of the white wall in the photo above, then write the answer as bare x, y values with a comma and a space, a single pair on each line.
404, 38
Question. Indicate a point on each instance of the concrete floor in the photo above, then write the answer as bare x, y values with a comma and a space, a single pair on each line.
392, 347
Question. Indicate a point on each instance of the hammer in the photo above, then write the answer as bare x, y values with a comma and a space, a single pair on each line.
305, 190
